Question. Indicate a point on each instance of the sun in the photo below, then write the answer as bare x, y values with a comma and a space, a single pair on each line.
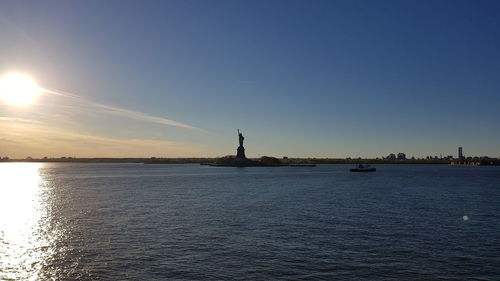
18, 89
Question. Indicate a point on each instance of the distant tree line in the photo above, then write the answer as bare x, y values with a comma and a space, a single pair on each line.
400, 158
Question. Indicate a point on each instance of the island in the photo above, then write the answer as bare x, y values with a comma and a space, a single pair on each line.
240, 160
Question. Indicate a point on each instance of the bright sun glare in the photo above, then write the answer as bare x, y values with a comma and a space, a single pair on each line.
18, 89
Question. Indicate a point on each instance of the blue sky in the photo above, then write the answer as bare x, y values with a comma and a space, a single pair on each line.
300, 78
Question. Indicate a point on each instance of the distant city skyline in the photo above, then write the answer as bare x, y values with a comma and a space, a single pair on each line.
301, 79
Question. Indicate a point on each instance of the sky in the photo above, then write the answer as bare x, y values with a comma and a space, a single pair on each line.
299, 78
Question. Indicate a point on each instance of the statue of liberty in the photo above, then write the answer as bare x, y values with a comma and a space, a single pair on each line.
241, 138
241, 150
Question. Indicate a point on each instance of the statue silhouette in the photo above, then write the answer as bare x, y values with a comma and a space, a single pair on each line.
241, 150
241, 138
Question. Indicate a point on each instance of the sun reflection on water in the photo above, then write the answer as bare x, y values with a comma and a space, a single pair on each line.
24, 244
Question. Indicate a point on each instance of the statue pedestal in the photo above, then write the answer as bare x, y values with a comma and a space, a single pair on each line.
241, 152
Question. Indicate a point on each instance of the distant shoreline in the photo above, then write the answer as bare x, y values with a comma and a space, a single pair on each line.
287, 161
211, 160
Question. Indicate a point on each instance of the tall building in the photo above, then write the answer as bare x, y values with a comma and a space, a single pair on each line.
460, 153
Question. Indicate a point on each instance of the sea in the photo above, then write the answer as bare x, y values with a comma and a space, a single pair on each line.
71, 221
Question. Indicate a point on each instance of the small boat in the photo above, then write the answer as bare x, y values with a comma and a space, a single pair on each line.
363, 168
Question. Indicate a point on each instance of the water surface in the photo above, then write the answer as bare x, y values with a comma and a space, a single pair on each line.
190, 222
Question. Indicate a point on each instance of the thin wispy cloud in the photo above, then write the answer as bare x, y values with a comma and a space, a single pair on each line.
38, 140
141, 116
115, 110
19, 120
61, 93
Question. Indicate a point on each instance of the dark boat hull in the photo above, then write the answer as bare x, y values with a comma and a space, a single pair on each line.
363, 170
